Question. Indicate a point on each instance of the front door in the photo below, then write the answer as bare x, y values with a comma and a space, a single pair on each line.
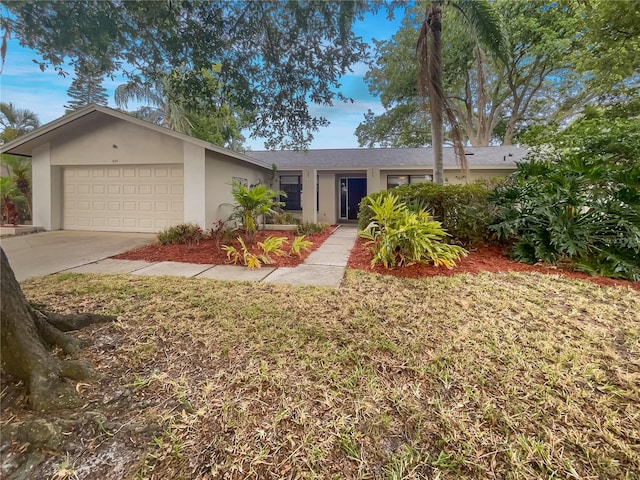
352, 190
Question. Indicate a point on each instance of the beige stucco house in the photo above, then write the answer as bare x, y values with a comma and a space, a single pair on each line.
101, 169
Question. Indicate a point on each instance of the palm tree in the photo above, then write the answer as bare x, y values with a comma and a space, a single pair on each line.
9, 195
16, 121
19, 169
163, 108
485, 26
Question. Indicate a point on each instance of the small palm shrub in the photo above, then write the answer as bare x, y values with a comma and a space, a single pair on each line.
253, 202
184, 233
463, 210
299, 244
399, 236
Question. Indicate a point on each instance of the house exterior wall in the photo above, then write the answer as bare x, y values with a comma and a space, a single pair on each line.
327, 211
327, 204
220, 172
195, 184
110, 141
47, 189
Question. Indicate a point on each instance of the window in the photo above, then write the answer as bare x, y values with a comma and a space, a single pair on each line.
394, 181
292, 186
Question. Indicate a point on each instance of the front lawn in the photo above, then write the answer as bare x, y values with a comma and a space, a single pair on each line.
510, 375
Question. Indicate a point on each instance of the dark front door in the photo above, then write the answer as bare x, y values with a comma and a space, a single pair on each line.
351, 192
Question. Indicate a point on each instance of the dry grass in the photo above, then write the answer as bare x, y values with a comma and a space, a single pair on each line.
519, 376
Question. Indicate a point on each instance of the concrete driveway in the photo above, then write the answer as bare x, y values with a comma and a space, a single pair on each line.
44, 253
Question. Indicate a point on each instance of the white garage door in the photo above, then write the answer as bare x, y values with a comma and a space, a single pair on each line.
123, 198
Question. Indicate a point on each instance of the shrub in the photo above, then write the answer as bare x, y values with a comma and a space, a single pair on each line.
463, 210
572, 211
309, 228
184, 233
283, 218
577, 199
399, 236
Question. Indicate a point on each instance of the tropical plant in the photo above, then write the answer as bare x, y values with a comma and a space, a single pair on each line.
485, 25
16, 121
463, 210
270, 246
299, 244
20, 172
9, 193
577, 200
165, 107
253, 202
399, 236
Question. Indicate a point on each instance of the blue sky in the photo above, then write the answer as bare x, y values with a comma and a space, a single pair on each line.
45, 93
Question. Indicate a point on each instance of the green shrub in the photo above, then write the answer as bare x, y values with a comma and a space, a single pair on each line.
463, 210
283, 218
570, 210
399, 236
309, 228
184, 233
577, 198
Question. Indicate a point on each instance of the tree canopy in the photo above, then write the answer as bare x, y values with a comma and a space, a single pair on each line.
276, 58
86, 88
561, 56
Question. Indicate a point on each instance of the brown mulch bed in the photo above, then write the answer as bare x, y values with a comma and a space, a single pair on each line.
209, 251
484, 259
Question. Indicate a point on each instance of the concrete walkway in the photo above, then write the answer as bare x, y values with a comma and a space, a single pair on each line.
324, 267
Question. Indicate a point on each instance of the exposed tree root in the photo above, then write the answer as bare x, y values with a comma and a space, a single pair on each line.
26, 336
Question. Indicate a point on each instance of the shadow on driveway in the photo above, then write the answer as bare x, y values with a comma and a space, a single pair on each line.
45, 253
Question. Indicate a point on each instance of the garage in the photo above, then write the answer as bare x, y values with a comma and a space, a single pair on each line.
102, 170
132, 198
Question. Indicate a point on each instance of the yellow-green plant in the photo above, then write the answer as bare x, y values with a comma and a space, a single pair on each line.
253, 202
299, 244
270, 246
400, 237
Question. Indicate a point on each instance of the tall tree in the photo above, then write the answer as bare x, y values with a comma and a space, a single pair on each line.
166, 105
163, 106
86, 88
276, 57
486, 25
16, 121
549, 74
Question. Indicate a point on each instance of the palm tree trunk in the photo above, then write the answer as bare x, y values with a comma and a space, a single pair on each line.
436, 91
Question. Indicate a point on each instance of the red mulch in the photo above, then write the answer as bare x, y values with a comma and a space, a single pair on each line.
209, 251
484, 259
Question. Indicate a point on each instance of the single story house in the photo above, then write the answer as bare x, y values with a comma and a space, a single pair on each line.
101, 169
337, 179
